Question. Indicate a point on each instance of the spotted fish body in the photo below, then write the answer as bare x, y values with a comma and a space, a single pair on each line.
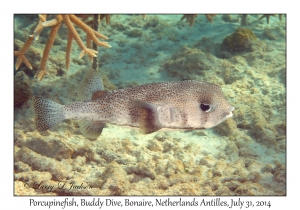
151, 107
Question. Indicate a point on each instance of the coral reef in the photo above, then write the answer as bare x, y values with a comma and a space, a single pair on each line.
237, 42
41, 163
119, 167
268, 34
22, 89
189, 62
114, 180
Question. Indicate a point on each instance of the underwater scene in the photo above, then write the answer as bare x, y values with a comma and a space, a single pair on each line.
150, 104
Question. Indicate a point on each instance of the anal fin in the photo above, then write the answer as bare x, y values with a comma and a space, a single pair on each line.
149, 121
91, 129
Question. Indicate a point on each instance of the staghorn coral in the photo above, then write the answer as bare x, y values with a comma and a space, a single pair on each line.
190, 18
101, 17
69, 21
267, 16
210, 17
21, 54
107, 18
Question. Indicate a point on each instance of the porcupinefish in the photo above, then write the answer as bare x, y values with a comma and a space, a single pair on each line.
151, 107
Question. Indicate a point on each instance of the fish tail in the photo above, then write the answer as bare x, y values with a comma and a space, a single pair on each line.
48, 113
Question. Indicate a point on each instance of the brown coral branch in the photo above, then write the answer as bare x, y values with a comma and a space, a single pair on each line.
42, 71
210, 17
42, 17
68, 50
89, 31
107, 18
89, 45
21, 54
39, 27
101, 36
77, 38
52, 22
267, 16
189, 19
69, 20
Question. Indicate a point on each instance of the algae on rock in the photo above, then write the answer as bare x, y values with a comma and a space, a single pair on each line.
238, 41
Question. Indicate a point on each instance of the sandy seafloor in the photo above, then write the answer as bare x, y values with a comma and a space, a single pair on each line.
245, 155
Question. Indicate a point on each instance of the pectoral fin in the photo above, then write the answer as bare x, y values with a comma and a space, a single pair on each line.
91, 129
149, 121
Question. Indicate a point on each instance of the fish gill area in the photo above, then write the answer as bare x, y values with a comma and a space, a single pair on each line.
244, 155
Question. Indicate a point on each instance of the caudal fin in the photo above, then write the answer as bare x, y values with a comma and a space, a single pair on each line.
48, 113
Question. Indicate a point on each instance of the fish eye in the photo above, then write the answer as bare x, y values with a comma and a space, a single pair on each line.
205, 107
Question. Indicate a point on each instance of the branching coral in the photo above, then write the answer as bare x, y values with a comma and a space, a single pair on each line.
21, 54
107, 18
101, 17
191, 18
69, 21
210, 17
267, 16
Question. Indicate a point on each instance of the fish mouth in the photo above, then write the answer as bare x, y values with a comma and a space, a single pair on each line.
229, 112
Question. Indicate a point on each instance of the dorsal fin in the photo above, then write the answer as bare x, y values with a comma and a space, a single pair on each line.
91, 83
149, 121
